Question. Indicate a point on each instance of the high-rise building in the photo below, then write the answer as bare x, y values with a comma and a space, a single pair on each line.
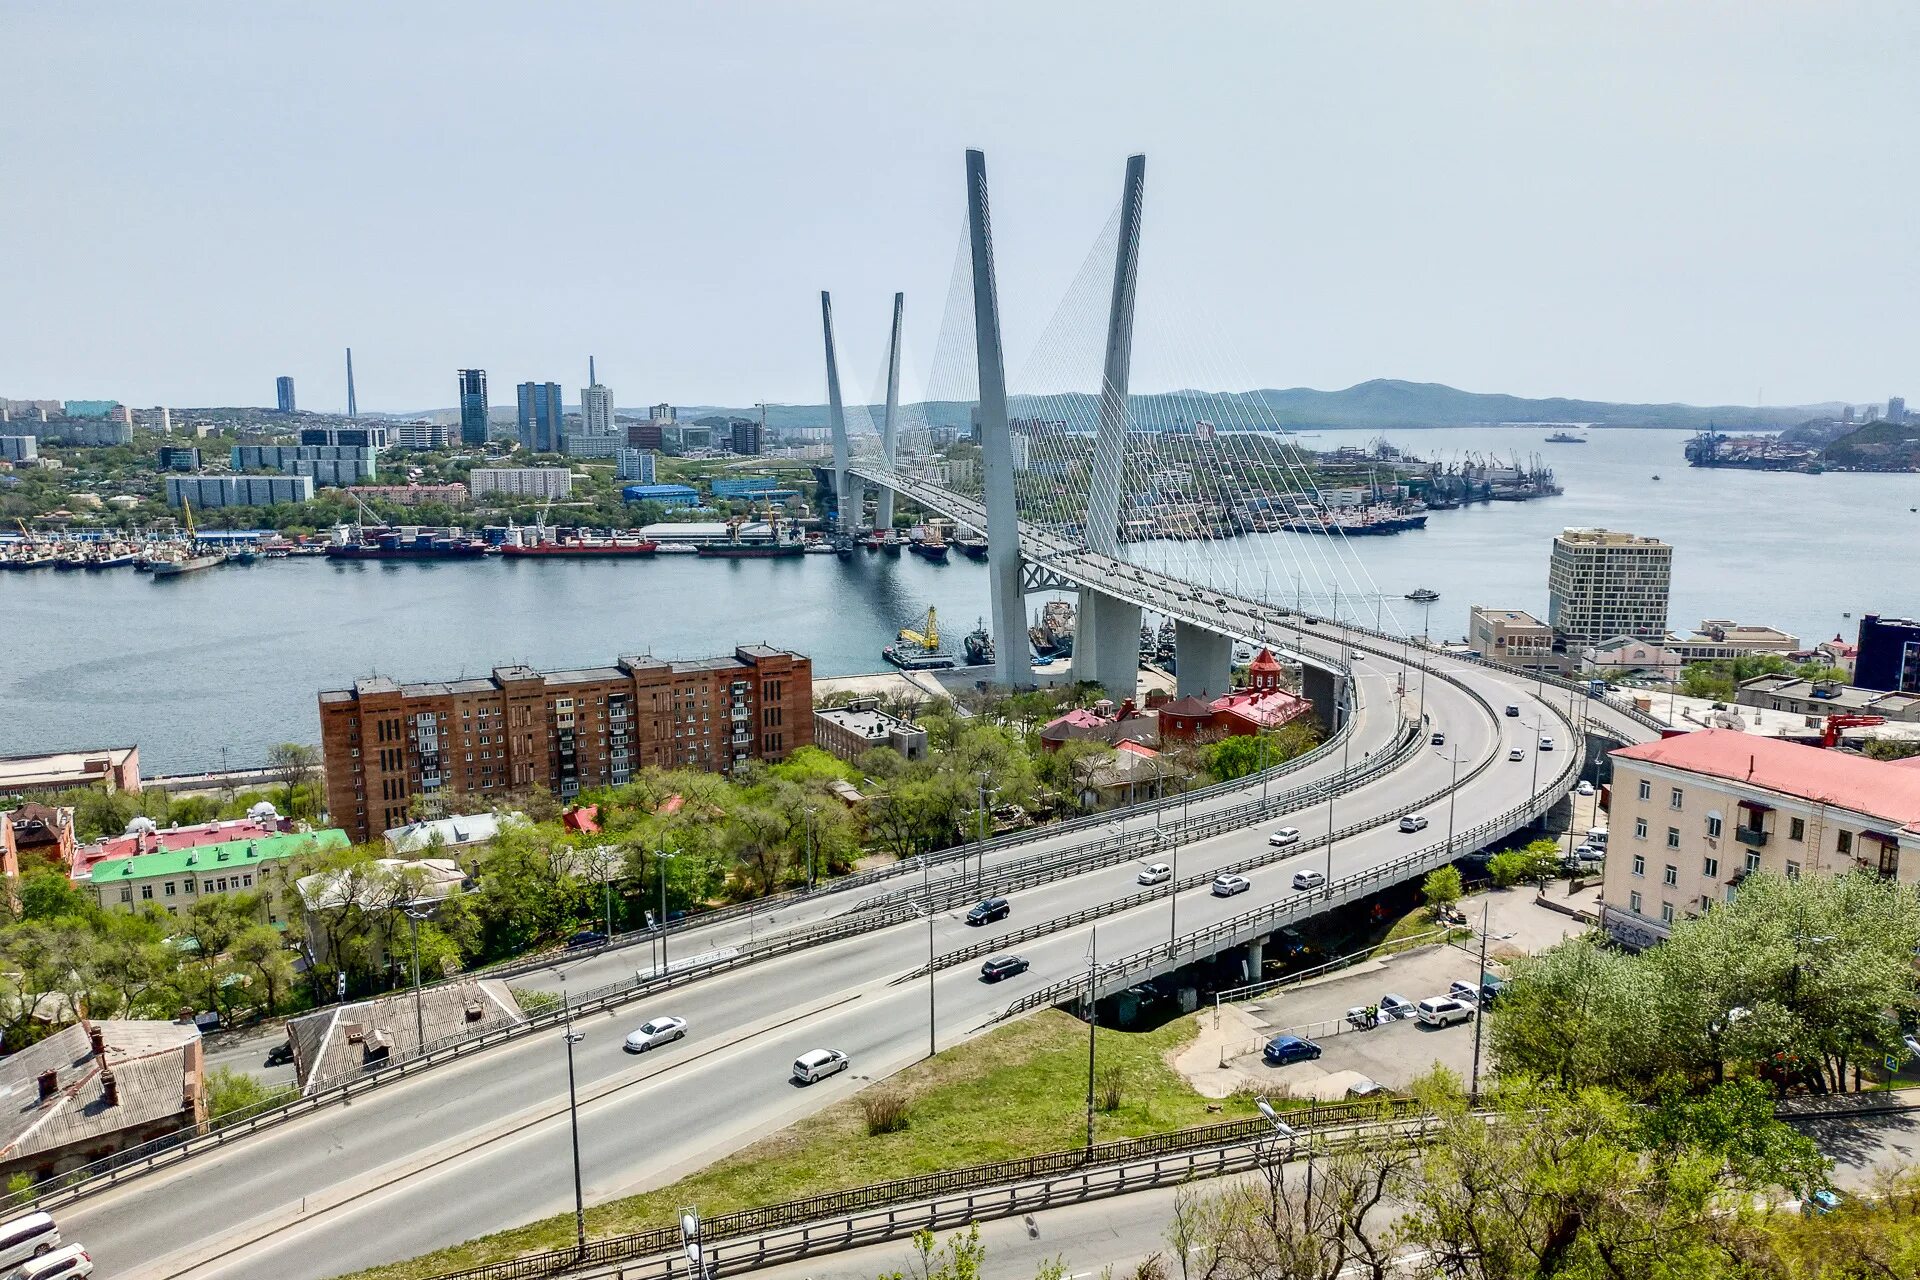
596, 410
542, 417
746, 436
207, 492
283, 393
360, 437
635, 466
645, 435
563, 731
1896, 409
422, 435
521, 482
473, 406
1603, 584
664, 413
1889, 654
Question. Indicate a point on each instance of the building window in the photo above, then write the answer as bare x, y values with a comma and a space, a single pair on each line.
1646, 789
1639, 865
1673, 837
1666, 913
246, 881
1710, 868
126, 893
146, 891
1706, 904
1793, 871
1677, 798
1640, 828
169, 888
1796, 828
1671, 876
1845, 839
1753, 861
1713, 825
1633, 903
206, 886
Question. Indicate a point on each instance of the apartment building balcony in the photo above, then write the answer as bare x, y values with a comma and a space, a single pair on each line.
1751, 838
742, 738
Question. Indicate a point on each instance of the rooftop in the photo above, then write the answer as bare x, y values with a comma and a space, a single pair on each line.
1839, 697
79, 768
450, 833
340, 1042
149, 1065
1876, 788
1267, 710
1605, 538
146, 838
865, 718
230, 855
1514, 617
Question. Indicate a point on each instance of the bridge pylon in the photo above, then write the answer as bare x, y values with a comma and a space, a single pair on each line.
1008, 604
847, 489
883, 500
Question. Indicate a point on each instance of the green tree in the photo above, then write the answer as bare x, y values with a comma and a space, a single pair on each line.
212, 925
260, 950
46, 894
1441, 889
130, 959
1537, 861
234, 1093
292, 763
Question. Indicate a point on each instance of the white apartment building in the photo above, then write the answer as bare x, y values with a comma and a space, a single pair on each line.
1694, 815
521, 482
1603, 584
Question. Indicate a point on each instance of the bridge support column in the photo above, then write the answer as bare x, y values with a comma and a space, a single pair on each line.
883, 500
846, 490
1010, 664
1256, 958
1106, 644
1202, 659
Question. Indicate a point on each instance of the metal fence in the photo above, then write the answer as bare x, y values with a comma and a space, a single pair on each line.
640, 1244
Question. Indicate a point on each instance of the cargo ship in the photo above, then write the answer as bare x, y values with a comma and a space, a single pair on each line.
1566, 437
776, 546
931, 546
191, 558
978, 646
971, 548
403, 542
919, 650
581, 543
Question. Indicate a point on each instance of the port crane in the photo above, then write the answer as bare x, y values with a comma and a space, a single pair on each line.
928, 636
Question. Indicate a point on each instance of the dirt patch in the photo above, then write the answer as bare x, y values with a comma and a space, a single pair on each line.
1204, 1062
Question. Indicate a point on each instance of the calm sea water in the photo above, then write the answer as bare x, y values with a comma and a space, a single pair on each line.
232, 658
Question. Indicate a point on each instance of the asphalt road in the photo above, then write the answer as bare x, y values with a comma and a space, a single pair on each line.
483, 1144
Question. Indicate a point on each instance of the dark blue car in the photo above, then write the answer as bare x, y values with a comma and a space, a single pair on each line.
1284, 1049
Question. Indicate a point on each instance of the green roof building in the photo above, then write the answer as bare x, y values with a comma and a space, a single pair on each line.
175, 879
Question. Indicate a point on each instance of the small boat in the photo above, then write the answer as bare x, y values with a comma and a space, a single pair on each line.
1425, 595
1656, 477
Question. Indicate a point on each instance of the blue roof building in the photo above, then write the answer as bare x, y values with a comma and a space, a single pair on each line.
669, 495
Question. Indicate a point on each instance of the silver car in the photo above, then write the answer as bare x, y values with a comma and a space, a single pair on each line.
657, 1032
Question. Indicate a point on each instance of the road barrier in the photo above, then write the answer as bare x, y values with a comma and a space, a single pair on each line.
1253, 1134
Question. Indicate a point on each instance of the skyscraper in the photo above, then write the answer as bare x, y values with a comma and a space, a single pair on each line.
283, 393
542, 419
596, 406
1896, 409
1602, 584
473, 406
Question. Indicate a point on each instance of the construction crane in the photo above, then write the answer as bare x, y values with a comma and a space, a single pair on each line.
1830, 735
193, 536
928, 637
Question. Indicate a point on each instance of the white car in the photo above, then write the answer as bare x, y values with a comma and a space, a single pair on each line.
658, 1031
70, 1262
818, 1064
1516, 754
1546, 742
1584, 789
1443, 1011
1413, 822
1285, 836
1227, 886
1308, 879
1158, 873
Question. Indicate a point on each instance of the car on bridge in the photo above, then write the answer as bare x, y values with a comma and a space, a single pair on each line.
70, 1262
658, 1031
1546, 742
586, 938
990, 910
1439, 740
818, 1064
1157, 873
1284, 1049
1516, 754
1285, 836
1413, 822
1228, 885
1309, 879
998, 967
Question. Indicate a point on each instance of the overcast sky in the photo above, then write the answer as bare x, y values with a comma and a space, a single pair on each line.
1692, 202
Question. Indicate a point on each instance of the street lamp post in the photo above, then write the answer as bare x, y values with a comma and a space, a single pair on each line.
415, 914
573, 1116
1346, 750
664, 859
1282, 1129
809, 813
926, 875
1093, 1020
1479, 1013
1453, 791
980, 881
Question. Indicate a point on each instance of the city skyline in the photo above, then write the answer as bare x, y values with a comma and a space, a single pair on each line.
1639, 205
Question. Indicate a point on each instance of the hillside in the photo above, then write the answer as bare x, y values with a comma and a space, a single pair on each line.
1877, 446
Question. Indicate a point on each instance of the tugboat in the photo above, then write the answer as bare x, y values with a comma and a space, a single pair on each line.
1425, 595
919, 650
978, 646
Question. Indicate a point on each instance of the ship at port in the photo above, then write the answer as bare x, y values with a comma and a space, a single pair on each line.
978, 646
1052, 631
189, 559
403, 542
973, 548
918, 649
1566, 437
1364, 523
930, 545
776, 546
538, 540
1425, 595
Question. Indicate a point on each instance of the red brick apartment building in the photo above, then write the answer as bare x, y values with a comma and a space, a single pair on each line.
567, 731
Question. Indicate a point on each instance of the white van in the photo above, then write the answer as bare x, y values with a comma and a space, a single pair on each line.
27, 1237
1597, 837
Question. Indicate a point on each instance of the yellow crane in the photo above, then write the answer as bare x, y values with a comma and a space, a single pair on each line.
928, 637
193, 536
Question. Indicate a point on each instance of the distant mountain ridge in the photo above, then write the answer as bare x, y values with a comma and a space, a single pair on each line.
1376, 405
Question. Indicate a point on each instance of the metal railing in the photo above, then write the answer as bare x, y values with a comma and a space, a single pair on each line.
745, 1222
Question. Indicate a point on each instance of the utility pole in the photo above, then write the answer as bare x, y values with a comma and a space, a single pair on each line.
664, 859
809, 813
573, 1116
980, 882
926, 872
1093, 1021
1479, 1012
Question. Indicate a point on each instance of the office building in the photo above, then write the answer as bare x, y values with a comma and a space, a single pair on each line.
26, 449
596, 411
645, 435
1896, 409
747, 437
333, 464
283, 394
1888, 654
413, 495
575, 445
178, 457
542, 417
1695, 814
422, 436
357, 436
634, 465
1603, 584
90, 408
1515, 638
521, 482
473, 406
563, 731
208, 492
664, 413
852, 730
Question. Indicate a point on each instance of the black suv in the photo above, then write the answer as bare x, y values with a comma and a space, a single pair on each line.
586, 938
999, 967
990, 910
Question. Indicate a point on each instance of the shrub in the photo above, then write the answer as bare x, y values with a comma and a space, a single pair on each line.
885, 1111
1112, 1088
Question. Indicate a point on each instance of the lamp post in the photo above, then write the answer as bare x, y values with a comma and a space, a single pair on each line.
1479, 1013
926, 909
980, 882
1093, 1020
415, 913
1346, 750
664, 859
1453, 792
809, 813
573, 1117
1282, 1129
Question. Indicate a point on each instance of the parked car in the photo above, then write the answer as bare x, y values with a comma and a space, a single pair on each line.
1443, 1011
1413, 822
1309, 879
586, 938
1584, 789
67, 1263
1227, 886
1464, 991
1158, 873
1363, 1088
1284, 1049
658, 1031
31, 1235
998, 967
988, 911
818, 1064
1823, 1201
1285, 836
1394, 1007
1516, 754
1546, 742
281, 1054
1439, 739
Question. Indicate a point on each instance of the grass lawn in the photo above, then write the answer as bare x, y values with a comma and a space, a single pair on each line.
1017, 1091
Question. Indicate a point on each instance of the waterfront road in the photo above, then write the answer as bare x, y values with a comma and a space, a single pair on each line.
482, 1144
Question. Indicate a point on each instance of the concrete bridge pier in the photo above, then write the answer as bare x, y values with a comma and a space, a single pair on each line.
1106, 643
1203, 660
1256, 958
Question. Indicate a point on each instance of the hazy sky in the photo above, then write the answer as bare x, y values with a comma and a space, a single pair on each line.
1623, 201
